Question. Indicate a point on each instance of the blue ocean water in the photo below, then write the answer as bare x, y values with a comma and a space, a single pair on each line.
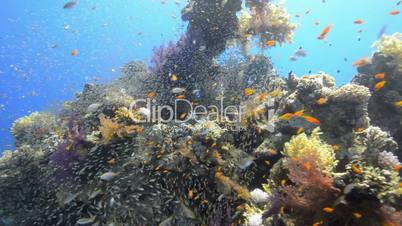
38, 73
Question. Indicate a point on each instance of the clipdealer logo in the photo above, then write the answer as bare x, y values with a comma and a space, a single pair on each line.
153, 113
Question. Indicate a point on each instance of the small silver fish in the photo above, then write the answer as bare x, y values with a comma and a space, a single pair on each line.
84, 221
108, 176
178, 90
301, 53
245, 162
292, 58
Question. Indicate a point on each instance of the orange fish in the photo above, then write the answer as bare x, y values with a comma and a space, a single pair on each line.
260, 110
325, 32
262, 96
357, 215
287, 116
379, 85
398, 104
173, 77
272, 152
359, 22
74, 52
299, 113
151, 95
318, 223
322, 101
181, 97
356, 169
249, 91
328, 210
312, 120
394, 12
361, 62
336, 147
190, 193
398, 168
270, 43
299, 131
379, 76
307, 166
359, 130
111, 161
183, 116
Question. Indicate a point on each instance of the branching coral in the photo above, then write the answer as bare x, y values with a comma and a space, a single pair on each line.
391, 46
302, 145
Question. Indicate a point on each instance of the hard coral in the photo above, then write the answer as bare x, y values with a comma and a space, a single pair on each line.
391, 46
33, 128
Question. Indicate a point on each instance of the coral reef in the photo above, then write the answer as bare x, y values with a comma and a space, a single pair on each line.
301, 152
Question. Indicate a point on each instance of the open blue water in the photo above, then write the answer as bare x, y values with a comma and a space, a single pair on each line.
38, 73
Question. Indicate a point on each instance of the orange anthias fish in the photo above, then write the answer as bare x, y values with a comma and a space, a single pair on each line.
299, 131
74, 52
394, 12
322, 101
398, 168
361, 62
359, 22
328, 210
270, 43
398, 104
249, 91
318, 223
287, 116
379, 76
379, 85
298, 113
262, 96
151, 95
312, 120
325, 32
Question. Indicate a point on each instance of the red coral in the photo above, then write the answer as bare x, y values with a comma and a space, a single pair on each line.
312, 188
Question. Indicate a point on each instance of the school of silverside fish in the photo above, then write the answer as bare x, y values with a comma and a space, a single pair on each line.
328, 156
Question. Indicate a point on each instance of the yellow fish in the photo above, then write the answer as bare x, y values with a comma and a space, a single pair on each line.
357, 215
398, 104
322, 101
356, 169
249, 91
173, 77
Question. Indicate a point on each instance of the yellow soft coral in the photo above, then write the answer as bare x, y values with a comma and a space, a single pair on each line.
302, 145
268, 22
391, 46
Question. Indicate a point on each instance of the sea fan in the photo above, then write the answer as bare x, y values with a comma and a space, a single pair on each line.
312, 188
